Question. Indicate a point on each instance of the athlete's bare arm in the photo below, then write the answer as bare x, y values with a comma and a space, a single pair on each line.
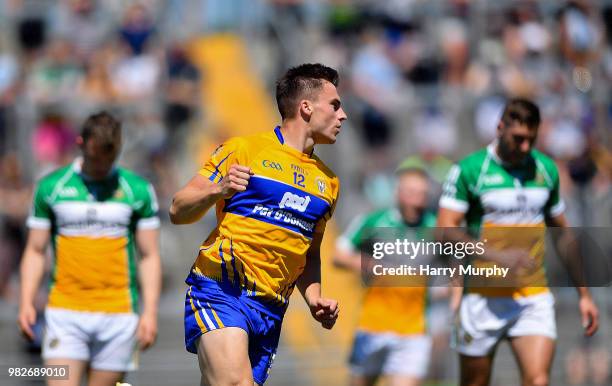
557, 221
325, 311
31, 271
149, 270
449, 218
347, 258
191, 202
588, 309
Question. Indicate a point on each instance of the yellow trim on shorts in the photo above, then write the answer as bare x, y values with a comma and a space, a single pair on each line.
196, 313
216, 316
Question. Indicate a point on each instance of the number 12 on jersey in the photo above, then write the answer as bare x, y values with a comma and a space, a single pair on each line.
298, 179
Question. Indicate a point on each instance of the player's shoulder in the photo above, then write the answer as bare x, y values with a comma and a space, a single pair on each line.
369, 220
135, 181
470, 166
331, 177
324, 168
375, 215
252, 143
257, 140
473, 160
382, 217
546, 161
131, 176
231, 143
54, 177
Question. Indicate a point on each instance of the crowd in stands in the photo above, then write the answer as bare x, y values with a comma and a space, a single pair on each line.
420, 79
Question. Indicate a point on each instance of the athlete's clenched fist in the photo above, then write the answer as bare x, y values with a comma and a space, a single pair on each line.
236, 180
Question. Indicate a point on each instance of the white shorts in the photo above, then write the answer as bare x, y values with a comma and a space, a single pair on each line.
484, 321
107, 341
390, 354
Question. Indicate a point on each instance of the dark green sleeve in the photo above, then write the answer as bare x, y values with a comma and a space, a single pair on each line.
40, 213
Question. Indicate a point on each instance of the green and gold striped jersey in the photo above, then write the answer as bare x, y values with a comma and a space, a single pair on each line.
93, 224
496, 197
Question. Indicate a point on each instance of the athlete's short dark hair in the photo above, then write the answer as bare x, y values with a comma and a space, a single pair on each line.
104, 128
301, 82
521, 111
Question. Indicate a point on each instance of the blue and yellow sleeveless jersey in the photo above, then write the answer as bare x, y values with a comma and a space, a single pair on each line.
262, 235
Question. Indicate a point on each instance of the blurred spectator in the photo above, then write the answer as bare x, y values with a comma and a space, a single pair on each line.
432, 152
135, 77
580, 36
55, 75
9, 71
590, 189
162, 174
136, 71
15, 195
182, 87
31, 33
53, 141
144, 135
464, 57
82, 23
434, 132
376, 81
566, 140
95, 87
486, 116
136, 29
9, 77
513, 80
455, 51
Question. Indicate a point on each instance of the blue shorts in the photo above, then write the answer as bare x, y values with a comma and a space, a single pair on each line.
209, 307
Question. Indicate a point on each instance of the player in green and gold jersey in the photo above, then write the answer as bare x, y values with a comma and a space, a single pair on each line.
509, 184
95, 214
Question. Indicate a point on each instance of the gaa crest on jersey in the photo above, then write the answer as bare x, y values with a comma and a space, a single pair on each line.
321, 184
467, 338
118, 194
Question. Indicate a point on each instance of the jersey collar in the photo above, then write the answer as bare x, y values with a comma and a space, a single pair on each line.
492, 151
279, 135
281, 140
77, 167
